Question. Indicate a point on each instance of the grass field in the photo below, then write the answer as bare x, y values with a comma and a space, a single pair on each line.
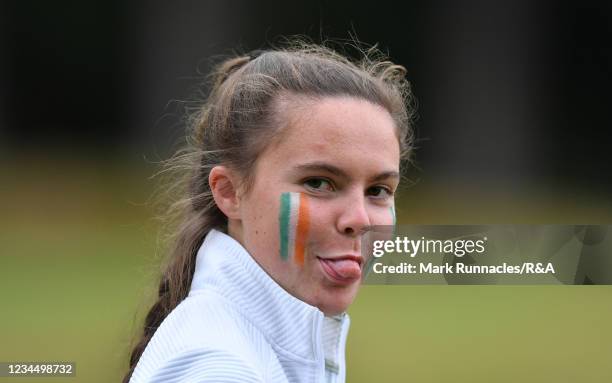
77, 271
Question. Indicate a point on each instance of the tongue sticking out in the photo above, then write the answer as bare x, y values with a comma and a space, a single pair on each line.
344, 268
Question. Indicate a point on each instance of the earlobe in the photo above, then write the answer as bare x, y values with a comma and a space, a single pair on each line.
223, 185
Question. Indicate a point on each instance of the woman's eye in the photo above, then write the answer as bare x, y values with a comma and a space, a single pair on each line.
319, 184
379, 192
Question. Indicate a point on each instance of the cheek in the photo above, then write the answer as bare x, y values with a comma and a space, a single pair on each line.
259, 225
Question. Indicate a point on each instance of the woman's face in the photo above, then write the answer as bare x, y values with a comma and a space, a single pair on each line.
331, 175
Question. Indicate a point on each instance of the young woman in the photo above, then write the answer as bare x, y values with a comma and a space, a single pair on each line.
294, 155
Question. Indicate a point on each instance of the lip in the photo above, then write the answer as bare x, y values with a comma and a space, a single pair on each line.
332, 275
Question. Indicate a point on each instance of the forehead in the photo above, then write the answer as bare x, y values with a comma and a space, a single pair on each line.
342, 130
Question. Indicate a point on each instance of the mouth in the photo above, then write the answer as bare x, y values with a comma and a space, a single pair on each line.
342, 270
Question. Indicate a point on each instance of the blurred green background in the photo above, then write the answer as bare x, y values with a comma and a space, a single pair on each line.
514, 127
78, 268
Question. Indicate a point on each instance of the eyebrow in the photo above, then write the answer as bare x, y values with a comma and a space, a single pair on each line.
325, 167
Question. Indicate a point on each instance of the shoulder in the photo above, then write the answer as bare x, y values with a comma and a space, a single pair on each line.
203, 339
207, 365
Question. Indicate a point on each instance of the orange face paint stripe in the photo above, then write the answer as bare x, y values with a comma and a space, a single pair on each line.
301, 232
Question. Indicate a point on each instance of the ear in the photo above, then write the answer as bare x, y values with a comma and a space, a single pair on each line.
224, 187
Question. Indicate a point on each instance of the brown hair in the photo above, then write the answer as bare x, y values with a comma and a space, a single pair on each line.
241, 115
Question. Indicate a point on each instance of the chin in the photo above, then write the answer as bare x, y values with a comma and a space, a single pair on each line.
336, 304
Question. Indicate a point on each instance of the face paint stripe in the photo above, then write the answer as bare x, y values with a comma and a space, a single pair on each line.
293, 220
284, 222
302, 229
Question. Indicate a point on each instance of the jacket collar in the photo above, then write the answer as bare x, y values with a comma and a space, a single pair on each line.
223, 265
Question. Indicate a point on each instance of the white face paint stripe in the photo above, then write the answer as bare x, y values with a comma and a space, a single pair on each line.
293, 222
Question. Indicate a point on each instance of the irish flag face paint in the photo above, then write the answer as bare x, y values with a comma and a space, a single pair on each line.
294, 222
392, 209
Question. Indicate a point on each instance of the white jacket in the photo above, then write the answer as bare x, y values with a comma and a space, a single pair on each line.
238, 325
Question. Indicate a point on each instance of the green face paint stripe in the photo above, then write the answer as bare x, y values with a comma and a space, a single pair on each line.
284, 222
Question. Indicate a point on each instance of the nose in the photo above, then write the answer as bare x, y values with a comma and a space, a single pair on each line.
354, 217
